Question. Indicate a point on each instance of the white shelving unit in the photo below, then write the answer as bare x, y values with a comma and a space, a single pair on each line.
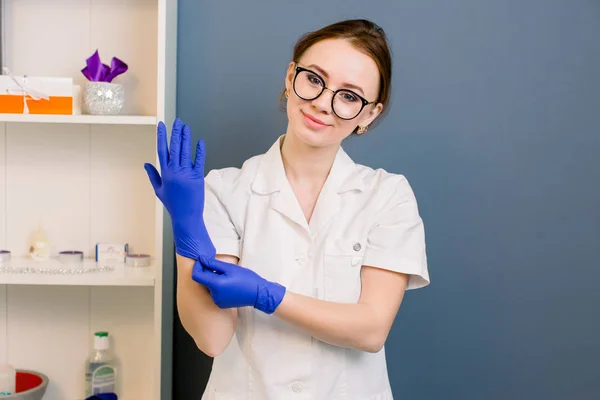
81, 119
82, 177
118, 275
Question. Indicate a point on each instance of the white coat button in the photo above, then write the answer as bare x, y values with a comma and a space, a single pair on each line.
357, 247
297, 387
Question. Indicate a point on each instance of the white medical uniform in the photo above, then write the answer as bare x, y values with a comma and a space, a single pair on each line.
362, 217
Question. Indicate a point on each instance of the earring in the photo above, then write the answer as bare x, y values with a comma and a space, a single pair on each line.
362, 129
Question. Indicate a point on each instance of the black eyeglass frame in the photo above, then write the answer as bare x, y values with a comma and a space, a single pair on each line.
364, 101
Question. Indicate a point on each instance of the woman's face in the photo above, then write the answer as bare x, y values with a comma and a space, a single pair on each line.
335, 64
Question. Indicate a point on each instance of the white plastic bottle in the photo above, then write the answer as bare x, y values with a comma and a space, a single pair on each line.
101, 368
8, 380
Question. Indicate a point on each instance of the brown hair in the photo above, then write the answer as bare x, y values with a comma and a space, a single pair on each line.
367, 37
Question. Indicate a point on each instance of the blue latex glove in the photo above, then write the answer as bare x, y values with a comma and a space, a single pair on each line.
181, 189
231, 285
103, 396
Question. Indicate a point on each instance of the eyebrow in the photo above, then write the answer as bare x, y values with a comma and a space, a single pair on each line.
345, 85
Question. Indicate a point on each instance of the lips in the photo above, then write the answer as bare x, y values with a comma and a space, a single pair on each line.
314, 122
318, 121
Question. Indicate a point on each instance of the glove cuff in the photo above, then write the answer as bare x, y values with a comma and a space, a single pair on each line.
270, 295
193, 248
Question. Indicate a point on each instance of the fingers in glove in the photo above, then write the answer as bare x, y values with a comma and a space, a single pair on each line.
154, 177
186, 146
175, 153
220, 267
204, 276
161, 145
200, 157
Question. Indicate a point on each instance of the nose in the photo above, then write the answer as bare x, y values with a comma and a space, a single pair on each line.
323, 102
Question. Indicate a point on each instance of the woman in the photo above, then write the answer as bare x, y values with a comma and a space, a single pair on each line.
292, 268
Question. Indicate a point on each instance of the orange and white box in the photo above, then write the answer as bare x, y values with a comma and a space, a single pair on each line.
36, 95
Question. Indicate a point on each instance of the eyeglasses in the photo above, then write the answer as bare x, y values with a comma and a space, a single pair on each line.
308, 85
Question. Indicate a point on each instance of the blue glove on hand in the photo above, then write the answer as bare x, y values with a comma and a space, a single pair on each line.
231, 285
181, 189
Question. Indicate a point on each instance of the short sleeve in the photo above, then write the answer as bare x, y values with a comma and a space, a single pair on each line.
396, 241
217, 219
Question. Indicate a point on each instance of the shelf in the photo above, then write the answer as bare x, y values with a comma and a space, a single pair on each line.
80, 176
121, 275
80, 119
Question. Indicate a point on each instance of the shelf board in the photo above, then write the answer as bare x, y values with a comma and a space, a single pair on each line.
80, 119
121, 275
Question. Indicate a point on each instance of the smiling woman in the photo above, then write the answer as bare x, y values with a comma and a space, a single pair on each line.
358, 36
301, 253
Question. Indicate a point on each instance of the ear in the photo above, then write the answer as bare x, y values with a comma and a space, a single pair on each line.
289, 77
371, 115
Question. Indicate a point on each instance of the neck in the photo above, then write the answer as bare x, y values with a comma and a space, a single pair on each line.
306, 164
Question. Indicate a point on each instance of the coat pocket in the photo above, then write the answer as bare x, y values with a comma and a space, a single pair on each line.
342, 265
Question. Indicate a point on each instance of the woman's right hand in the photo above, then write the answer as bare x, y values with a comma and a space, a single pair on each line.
181, 189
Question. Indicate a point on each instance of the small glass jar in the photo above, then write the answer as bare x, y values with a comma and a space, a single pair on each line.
103, 98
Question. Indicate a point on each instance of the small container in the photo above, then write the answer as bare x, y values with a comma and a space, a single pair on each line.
8, 380
31, 385
137, 260
40, 246
73, 257
5, 256
103, 98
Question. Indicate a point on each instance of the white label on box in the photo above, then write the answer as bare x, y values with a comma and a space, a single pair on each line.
111, 253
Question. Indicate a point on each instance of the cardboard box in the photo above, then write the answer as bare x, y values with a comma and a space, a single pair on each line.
31, 90
111, 253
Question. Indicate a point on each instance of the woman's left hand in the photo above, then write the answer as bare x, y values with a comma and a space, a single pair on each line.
231, 285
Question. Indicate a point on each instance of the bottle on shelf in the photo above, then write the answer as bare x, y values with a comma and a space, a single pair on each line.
101, 367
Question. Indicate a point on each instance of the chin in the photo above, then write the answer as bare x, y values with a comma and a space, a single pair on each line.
311, 137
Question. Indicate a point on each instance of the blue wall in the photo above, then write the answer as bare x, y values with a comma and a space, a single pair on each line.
496, 123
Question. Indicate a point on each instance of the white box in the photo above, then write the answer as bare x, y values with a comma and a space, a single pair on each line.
111, 253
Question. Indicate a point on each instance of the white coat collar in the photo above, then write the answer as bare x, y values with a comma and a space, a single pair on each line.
270, 176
